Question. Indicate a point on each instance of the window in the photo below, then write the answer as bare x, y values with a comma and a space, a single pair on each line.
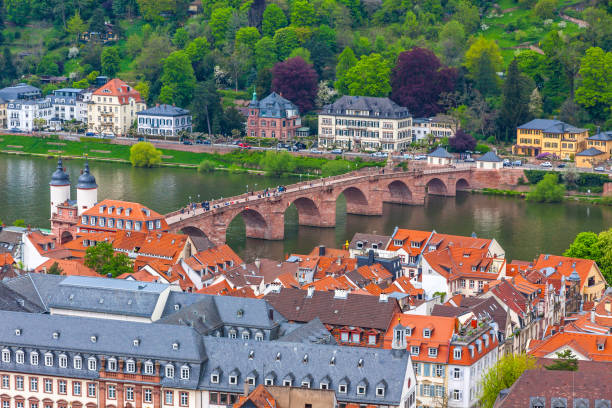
471, 284
129, 393
305, 384
63, 361
34, 384
457, 354
324, 386
439, 390
361, 389
287, 383
61, 386
269, 381
456, 395
184, 373
48, 385
344, 337
19, 383
184, 399
439, 370
130, 367
5, 381
426, 333
433, 352
170, 371
372, 339
380, 391
355, 337
414, 350
214, 378
456, 373
168, 398
76, 387
259, 337
19, 357
91, 390
342, 388
6, 356
112, 364
34, 358
245, 335
233, 379
148, 395
112, 392
91, 364
231, 334
148, 368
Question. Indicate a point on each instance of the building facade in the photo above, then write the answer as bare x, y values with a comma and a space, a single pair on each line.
164, 120
273, 117
69, 104
541, 136
113, 107
439, 127
27, 115
365, 123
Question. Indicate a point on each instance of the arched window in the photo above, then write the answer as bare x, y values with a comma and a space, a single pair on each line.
184, 373
77, 362
130, 366
34, 358
169, 371
91, 364
6, 356
63, 361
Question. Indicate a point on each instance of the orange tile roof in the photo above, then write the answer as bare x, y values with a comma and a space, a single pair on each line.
374, 272
47, 245
6, 259
584, 324
592, 346
454, 262
220, 288
68, 267
221, 256
287, 280
373, 289
331, 252
603, 311
331, 283
245, 292
151, 244
407, 237
445, 240
142, 276
129, 211
260, 397
564, 265
403, 285
116, 87
77, 246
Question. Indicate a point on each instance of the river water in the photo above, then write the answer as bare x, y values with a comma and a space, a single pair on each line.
523, 229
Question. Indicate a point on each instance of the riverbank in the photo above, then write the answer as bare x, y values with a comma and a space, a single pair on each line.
236, 161
596, 199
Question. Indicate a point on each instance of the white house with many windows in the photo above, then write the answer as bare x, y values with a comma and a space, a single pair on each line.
70, 104
164, 120
21, 114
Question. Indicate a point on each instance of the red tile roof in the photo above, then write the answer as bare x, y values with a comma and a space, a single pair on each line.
214, 260
593, 347
6, 259
116, 87
68, 267
565, 266
260, 397
128, 211
375, 273
407, 237
509, 295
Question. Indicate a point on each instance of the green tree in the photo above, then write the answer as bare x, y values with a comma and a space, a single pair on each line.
502, 375
545, 8
548, 190
265, 53
247, 37
109, 61
76, 25
565, 361
535, 103
301, 52
8, 72
515, 101
452, 42
346, 61
144, 154
334, 168
55, 269
102, 259
285, 40
483, 60
144, 88
167, 94
180, 38
589, 245
468, 15
302, 13
220, 22
197, 49
273, 19
17, 11
604, 244
20, 223
595, 90
206, 106
178, 75
277, 164
369, 77
206, 166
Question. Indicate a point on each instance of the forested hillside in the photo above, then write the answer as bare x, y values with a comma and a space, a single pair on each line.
491, 65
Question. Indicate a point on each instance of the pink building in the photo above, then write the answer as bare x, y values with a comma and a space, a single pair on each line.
273, 116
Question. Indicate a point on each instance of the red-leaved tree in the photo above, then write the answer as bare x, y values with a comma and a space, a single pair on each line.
297, 81
462, 141
418, 79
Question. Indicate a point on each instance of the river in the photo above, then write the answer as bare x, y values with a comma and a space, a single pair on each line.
523, 229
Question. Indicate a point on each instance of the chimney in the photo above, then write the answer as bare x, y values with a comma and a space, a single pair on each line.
608, 306
257, 263
370, 257
339, 261
321, 250
593, 315
246, 388
310, 292
383, 298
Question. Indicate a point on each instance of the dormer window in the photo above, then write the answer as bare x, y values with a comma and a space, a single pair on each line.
20, 357
233, 379
426, 333
184, 373
130, 366
91, 364
63, 361
287, 383
169, 369
433, 352
457, 353
415, 244
112, 364
6, 356
380, 391
414, 350
148, 368
361, 389
342, 388
600, 347
34, 358
408, 331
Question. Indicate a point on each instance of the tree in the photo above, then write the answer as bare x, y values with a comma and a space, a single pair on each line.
548, 190
502, 375
418, 79
273, 19
8, 71
302, 53
144, 154
334, 168
285, 40
346, 61
452, 42
109, 61
483, 60
96, 22
369, 77
277, 164
19, 223
468, 15
219, 23
17, 11
535, 103
247, 37
297, 81
597, 247
55, 269
76, 25
265, 53
462, 141
180, 37
302, 13
566, 361
545, 9
197, 49
178, 75
515, 101
144, 88
595, 90
102, 259
206, 105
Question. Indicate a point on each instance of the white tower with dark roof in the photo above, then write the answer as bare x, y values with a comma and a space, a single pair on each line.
87, 190
59, 187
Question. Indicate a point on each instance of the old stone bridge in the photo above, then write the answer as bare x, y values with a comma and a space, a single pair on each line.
365, 192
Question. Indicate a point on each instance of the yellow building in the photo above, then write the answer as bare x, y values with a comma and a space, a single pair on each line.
599, 149
549, 136
113, 107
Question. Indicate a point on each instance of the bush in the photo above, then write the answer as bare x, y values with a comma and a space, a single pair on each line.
334, 168
548, 190
592, 180
144, 154
206, 166
535, 176
482, 148
277, 163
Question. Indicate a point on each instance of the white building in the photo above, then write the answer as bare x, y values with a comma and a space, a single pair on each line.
439, 127
164, 120
365, 123
489, 161
440, 157
69, 104
21, 114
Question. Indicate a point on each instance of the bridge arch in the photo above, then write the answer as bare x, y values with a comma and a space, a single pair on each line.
462, 184
308, 211
356, 200
399, 191
66, 237
435, 186
255, 223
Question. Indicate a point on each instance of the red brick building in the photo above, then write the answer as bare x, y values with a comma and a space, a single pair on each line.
273, 117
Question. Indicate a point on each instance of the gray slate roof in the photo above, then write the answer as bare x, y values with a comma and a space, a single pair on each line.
550, 126
368, 239
14, 302
602, 136
385, 107
440, 152
273, 106
38, 288
164, 110
9, 240
299, 361
19, 91
591, 151
489, 157
86, 180
59, 176
312, 332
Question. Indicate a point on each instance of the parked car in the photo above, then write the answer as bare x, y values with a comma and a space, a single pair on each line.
507, 163
15, 130
546, 164
299, 146
517, 163
199, 141
561, 165
420, 157
90, 134
599, 168
244, 145
141, 139
187, 142
407, 156
316, 151
108, 135
336, 151
206, 142
469, 160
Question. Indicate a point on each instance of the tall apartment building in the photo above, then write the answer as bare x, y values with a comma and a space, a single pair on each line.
112, 108
69, 104
549, 136
364, 122
22, 114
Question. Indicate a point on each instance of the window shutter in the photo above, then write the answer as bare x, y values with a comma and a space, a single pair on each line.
426, 369
443, 371
421, 393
